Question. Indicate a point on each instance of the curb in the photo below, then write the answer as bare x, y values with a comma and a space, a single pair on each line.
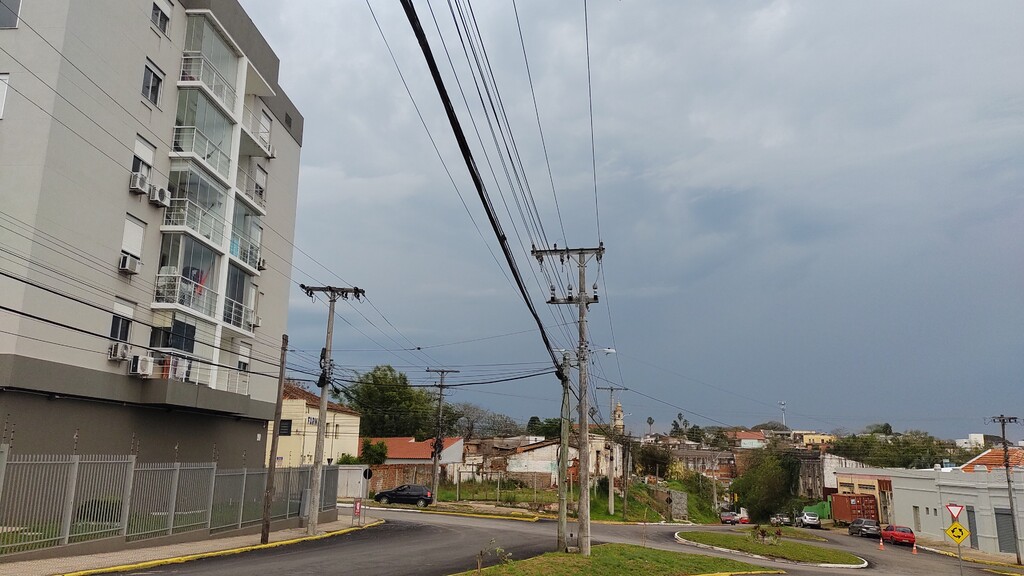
863, 564
465, 514
216, 553
968, 558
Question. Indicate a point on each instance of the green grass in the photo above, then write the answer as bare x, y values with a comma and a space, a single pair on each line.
618, 559
699, 494
794, 551
488, 492
787, 532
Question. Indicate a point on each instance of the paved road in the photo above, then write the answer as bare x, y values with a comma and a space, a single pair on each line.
410, 543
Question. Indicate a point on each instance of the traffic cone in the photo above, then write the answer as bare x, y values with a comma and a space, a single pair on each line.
881, 546
914, 551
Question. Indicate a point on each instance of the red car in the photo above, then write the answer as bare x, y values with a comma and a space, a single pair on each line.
899, 535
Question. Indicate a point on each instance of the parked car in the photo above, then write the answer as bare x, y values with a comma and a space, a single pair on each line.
406, 494
743, 520
780, 520
865, 527
729, 517
899, 535
808, 519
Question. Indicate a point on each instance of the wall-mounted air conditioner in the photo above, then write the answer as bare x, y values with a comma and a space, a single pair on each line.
273, 152
159, 196
262, 264
138, 183
129, 264
257, 321
142, 366
119, 351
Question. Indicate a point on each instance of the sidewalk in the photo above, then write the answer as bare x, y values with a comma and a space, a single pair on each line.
970, 554
173, 553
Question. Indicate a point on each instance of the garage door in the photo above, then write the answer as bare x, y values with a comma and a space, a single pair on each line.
1004, 530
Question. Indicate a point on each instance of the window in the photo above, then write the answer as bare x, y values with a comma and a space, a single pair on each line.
285, 428
134, 231
152, 79
160, 18
121, 323
261, 181
143, 159
9, 13
4, 79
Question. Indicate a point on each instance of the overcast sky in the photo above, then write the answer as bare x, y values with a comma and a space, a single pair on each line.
820, 203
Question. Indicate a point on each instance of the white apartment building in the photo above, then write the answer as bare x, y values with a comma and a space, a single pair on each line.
148, 179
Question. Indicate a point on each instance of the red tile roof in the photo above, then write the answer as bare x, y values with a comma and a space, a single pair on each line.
407, 448
993, 458
745, 435
296, 392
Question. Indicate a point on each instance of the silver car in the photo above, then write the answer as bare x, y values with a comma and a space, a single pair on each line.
808, 519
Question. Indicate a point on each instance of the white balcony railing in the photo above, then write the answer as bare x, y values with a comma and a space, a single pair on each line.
175, 289
253, 123
196, 67
192, 139
184, 212
182, 369
245, 249
252, 189
235, 381
238, 314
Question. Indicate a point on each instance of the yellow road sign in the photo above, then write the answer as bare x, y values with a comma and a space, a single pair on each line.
957, 532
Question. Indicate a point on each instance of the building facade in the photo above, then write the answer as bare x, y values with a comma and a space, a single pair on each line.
148, 180
300, 414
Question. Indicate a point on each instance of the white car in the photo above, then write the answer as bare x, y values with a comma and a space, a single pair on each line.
808, 519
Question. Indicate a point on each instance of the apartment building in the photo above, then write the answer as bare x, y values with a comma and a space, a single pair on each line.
148, 179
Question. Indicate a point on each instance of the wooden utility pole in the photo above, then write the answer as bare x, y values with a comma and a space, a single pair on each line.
1003, 420
582, 300
268, 494
333, 294
439, 435
611, 442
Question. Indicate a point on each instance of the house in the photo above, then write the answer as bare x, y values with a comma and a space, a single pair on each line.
718, 464
537, 464
411, 462
147, 185
746, 438
300, 412
994, 458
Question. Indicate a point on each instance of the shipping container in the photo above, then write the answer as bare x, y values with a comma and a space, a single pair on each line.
848, 507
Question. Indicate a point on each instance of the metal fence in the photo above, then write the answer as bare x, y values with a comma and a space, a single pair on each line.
50, 500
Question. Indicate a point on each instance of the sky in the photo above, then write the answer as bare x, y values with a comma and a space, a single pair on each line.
814, 203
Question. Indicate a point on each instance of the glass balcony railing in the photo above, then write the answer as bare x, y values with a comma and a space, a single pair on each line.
252, 189
235, 381
182, 369
238, 314
245, 249
184, 212
259, 131
192, 139
196, 67
175, 289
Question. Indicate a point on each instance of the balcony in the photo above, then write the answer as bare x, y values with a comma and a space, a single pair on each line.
173, 367
184, 382
197, 68
252, 190
192, 139
245, 249
172, 288
237, 314
184, 212
234, 381
257, 135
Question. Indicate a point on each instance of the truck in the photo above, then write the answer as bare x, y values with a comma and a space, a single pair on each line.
848, 507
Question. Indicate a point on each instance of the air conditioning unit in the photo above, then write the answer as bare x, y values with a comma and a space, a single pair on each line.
129, 264
138, 183
159, 196
181, 367
273, 152
119, 351
257, 321
142, 366
262, 264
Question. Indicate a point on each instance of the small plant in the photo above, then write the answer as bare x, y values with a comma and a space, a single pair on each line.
503, 556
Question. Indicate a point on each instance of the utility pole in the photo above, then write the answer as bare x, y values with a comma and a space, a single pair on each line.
325, 378
1003, 420
439, 436
583, 300
563, 457
268, 494
611, 442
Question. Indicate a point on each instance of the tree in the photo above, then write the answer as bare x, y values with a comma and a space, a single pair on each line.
470, 418
533, 425
549, 428
768, 485
652, 459
650, 425
695, 434
373, 454
883, 428
495, 424
771, 425
679, 426
389, 406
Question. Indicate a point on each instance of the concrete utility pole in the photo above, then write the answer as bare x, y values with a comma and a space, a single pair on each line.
563, 458
325, 379
582, 300
439, 436
268, 494
611, 442
1003, 420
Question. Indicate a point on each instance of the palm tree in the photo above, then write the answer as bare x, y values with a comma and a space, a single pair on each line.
650, 424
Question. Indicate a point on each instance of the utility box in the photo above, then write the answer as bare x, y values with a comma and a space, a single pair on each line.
848, 507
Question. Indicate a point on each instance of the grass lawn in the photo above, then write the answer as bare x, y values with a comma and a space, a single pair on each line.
618, 559
787, 532
784, 549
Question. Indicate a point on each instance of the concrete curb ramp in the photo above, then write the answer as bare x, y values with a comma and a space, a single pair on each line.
216, 553
681, 540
